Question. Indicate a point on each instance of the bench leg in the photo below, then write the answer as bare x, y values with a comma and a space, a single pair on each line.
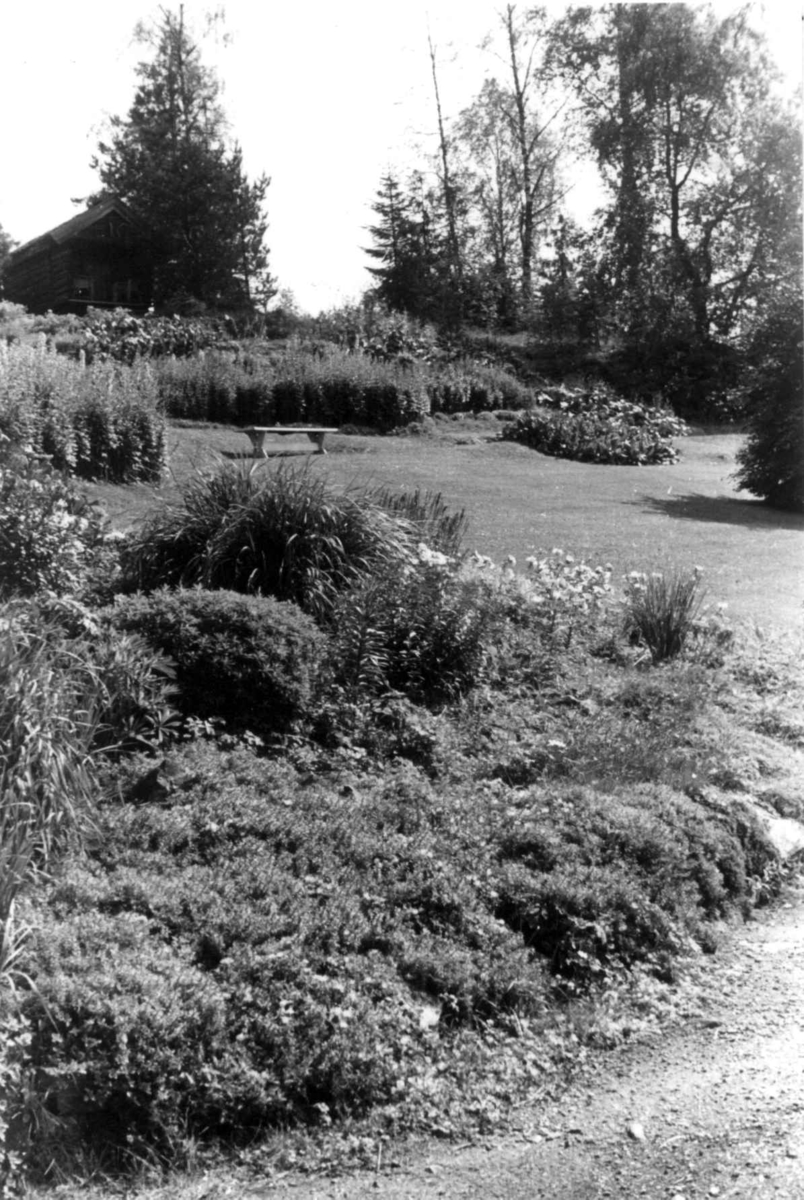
258, 444
318, 438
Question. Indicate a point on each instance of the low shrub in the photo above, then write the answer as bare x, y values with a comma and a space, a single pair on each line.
597, 882
423, 632
597, 426
51, 536
249, 660
284, 534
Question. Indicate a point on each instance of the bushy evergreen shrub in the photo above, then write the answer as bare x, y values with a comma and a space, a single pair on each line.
771, 463
249, 660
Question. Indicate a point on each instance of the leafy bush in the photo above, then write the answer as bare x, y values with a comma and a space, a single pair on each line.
285, 535
120, 336
596, 426
420, 631
464, 385
771, 463
51, 536
247, 659
661, 609
94, 421
15, 321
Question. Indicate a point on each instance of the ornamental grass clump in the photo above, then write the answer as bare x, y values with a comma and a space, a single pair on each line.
284, 534
662, 608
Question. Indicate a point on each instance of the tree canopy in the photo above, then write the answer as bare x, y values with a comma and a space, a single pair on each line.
170, 160
7, 244
699, 155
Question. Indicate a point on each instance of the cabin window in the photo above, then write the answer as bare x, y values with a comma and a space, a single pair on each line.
125, 291
82, 288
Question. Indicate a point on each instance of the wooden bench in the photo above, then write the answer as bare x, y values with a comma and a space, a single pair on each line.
316, 433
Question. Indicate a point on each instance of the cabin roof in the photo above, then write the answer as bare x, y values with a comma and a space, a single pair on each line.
76, 225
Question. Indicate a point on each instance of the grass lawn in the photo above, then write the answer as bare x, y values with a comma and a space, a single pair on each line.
519, 502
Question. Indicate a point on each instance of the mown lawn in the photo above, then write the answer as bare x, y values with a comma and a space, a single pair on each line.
519, 501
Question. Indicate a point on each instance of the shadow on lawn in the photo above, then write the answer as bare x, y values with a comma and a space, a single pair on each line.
725, 510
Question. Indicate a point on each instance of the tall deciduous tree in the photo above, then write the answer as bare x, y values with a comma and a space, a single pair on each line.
7, 244
510, 157
703, 162
170, 160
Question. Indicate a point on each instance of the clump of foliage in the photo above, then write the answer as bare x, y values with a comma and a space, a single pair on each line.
434, 524
420, 631
338, 388
283, 534
248, 660
100, 421
771, 463
121, 336
465, 385
51, 536
662, 609
216, 386
597, 426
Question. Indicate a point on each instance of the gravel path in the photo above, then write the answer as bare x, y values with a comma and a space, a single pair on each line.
711, 1109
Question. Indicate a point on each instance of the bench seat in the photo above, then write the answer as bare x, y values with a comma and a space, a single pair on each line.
258, 433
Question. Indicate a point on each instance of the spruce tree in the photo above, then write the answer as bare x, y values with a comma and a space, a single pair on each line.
170, 161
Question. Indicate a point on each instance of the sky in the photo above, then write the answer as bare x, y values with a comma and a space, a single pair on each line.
323, 96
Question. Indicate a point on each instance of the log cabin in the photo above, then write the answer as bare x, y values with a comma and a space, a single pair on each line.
100, 258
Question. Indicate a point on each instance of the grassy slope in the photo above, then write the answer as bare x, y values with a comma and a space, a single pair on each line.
520, 501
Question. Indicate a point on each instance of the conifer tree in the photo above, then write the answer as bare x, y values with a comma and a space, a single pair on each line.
170, 160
